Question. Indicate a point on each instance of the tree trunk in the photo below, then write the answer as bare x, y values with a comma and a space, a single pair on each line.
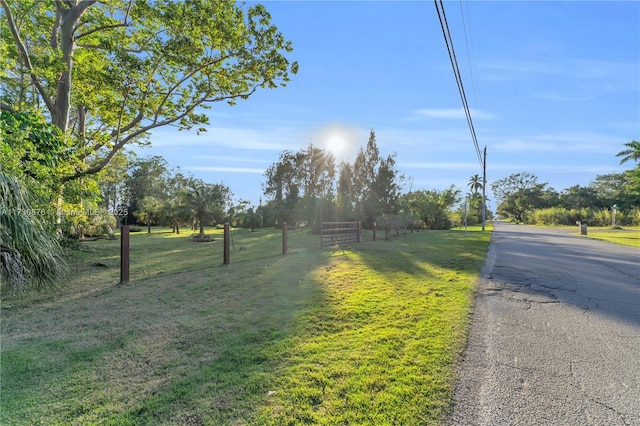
63, 89
201, 230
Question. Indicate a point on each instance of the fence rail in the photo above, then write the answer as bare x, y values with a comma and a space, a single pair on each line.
336, 233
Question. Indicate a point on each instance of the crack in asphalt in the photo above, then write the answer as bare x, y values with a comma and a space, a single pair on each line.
569, 379
569, 367
620, 415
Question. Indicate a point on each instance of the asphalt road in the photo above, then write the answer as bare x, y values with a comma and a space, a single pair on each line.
555, 338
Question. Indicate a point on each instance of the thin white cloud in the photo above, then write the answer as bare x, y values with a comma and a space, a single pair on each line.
452, 113
254, 139
551, 168
561, 142
554, 96
441, 140
607, 75
439, 165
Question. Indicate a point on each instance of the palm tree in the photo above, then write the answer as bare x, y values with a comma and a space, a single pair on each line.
207, 201
631, 153
475, 183
28, 253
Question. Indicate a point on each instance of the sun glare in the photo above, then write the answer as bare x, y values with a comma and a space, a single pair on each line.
339, 140
336, 145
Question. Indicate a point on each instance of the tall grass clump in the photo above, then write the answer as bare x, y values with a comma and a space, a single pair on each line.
603, 218
551, 216
595, 217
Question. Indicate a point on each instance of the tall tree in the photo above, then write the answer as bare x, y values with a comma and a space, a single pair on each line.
316, 172
475, 198
375, 181
107, 73
148, 177
578, 197
300, 183
346, 197
364, 171
385, 189
622, 189
282, 188
520, 193
149, 208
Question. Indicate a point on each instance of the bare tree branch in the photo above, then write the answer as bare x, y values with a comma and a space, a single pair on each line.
129, 126
98, 47
103, 162
185, 78
105, 27
5, 107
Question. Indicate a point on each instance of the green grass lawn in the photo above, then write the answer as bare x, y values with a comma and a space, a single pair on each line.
365, 336
628, 236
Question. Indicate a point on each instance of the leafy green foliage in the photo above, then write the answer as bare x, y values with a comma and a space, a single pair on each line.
299, 184
207, 202
108, 73
33, 150
432, 207
523, 199
29, 256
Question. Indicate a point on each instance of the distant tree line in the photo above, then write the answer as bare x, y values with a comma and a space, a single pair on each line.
306, 187
522, 198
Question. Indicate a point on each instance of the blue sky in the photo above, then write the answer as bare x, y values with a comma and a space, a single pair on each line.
555, 92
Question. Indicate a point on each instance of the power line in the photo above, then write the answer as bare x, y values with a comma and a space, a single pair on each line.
468, 41
482, 158
456, 71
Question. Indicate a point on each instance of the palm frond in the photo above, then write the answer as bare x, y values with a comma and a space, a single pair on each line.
30, 256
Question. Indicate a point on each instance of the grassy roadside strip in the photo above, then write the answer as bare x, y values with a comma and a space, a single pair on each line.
368, 336
628, 236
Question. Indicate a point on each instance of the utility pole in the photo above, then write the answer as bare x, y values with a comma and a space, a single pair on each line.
484, 187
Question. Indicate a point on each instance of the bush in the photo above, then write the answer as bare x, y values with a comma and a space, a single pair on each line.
594, 217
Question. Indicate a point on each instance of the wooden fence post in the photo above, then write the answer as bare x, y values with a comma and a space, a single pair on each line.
226, 254
124, 254
284, 238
